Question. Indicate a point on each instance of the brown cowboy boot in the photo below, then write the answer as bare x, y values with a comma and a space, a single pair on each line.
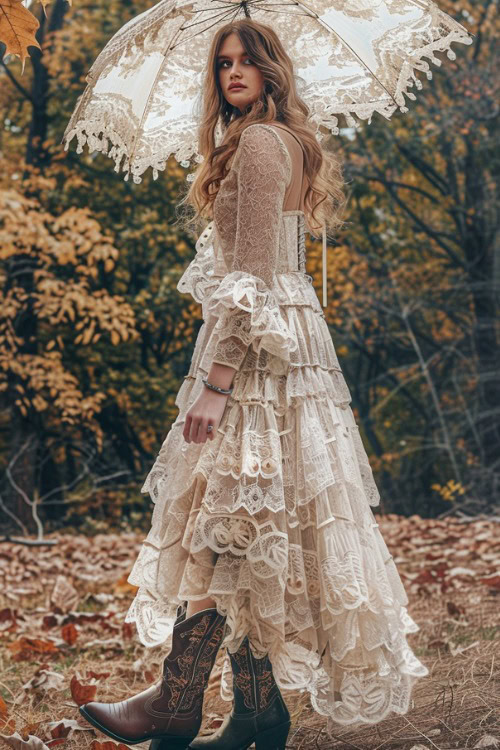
168, 712
259, 712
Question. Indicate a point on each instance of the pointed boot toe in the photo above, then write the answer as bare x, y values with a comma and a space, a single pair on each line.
169, 712
127, 721
103, 716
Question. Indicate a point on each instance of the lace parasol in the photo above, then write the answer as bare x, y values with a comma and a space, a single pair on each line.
351, 58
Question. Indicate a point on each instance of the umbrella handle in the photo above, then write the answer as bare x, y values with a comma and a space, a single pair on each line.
323, 265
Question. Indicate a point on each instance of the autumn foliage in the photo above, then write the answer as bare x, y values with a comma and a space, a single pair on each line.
95, 338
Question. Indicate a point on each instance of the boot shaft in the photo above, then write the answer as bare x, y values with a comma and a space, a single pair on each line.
187, 668
259, 712
254, 687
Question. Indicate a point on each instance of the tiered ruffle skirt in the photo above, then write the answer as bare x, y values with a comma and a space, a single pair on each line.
273, 520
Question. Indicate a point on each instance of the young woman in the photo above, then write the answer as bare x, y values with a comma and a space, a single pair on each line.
262, 522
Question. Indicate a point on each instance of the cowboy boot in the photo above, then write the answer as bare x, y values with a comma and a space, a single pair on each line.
259, 713
169, 712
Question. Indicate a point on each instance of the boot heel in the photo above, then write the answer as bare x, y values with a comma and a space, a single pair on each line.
273, 739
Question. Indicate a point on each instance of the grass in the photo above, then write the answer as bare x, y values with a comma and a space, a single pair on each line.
456, 707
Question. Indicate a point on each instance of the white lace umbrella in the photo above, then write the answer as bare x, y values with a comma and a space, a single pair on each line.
351, 58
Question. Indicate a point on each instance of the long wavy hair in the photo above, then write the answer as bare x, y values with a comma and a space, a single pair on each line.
279, 101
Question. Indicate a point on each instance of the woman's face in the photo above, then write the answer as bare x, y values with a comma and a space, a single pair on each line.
234, 66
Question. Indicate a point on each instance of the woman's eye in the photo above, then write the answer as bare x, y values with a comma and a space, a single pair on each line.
221, 65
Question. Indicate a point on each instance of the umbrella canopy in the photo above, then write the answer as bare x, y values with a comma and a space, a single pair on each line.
351, 58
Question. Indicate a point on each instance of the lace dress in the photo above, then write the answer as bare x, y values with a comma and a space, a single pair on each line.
272, 517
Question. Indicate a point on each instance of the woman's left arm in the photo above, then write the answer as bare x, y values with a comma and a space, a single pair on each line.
247, 313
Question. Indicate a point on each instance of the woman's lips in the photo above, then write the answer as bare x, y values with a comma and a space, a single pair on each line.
237, 88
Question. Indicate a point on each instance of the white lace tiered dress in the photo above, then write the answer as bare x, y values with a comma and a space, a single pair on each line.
272, 518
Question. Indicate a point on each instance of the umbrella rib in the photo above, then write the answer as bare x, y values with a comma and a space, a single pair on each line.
227, 5
203, 20
315, 15
309, 12
290, 14
227, 12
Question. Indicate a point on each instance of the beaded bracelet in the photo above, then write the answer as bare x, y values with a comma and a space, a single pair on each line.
216, 387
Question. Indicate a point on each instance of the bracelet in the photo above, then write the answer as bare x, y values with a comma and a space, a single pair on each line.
216, 387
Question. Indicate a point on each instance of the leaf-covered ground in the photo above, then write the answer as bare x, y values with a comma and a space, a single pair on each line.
63, 641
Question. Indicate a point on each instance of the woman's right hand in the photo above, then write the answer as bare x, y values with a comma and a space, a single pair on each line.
207, 409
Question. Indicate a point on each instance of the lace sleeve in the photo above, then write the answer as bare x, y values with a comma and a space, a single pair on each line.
247, 311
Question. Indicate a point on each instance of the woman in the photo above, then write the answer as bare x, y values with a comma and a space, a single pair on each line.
262, 488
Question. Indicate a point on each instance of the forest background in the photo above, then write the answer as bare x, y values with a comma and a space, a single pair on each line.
95, 340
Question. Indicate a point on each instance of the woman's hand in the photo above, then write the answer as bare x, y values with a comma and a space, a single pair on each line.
207, 409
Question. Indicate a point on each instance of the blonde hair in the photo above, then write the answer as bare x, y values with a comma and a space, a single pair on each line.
279, 101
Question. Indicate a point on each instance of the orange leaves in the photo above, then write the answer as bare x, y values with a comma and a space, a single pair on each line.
28, 648
493, 583
6, 725
17, 29
81, 693
45, 374
63, 255
69, 633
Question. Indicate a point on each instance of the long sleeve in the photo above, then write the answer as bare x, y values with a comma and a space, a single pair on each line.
247, 311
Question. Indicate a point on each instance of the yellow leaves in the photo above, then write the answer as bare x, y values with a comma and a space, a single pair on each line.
23, 408
115, 338
401, 132
449, 490
65, 254
389, 458
39, 403
119, 329
86, 336
367, 201
59, 256
17, 29
104, 252
444, 328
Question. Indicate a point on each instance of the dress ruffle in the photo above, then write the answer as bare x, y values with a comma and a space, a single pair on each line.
285, 542
272, 518
262, 326
198, 278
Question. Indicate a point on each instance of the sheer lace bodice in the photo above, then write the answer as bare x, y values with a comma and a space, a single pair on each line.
256, 227
257, 247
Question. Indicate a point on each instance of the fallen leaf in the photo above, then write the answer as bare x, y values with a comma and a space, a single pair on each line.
487, 741
64, 596
69, 633
16, 741
46, 680
81, 693
24, 648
